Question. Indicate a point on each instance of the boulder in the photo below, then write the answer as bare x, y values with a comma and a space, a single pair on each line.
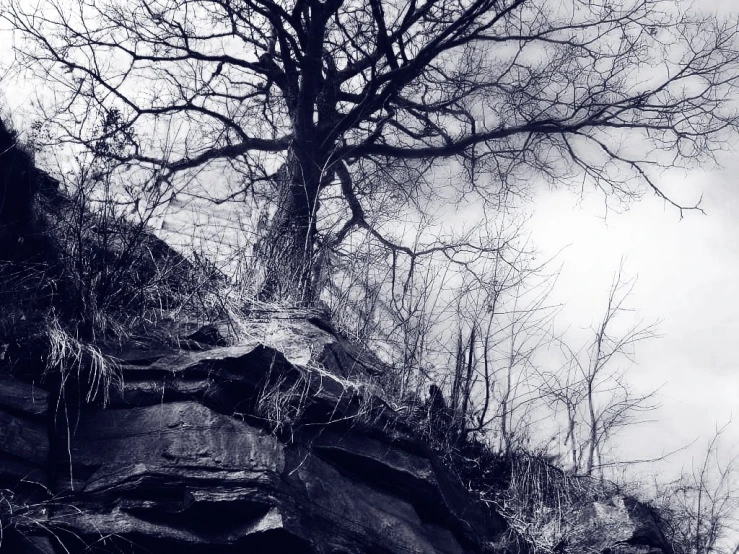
617, 525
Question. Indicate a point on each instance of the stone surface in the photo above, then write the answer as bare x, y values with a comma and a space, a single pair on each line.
177, 433
618, 525
24, 443
23, 439
271, 444
23, 398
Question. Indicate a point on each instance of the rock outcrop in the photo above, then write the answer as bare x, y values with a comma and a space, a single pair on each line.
619, 525
279, 443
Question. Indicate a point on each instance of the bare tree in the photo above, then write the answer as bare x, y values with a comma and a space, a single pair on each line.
592, 389
699, 508
299, 100
501, 323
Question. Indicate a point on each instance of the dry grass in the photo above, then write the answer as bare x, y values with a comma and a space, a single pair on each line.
544, 505
285, 395
282, 399
69, 356
42, 517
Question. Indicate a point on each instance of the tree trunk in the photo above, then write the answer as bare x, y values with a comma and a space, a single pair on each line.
593, 443
287, 251
290, 252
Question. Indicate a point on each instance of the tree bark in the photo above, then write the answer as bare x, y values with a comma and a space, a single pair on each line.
288, 251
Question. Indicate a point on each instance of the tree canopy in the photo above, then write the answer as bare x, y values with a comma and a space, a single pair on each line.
343, 104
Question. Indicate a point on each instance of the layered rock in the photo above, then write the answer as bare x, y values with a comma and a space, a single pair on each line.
618, 525
281, 443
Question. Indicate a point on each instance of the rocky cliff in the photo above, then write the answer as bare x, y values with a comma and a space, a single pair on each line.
281, 443
279, 438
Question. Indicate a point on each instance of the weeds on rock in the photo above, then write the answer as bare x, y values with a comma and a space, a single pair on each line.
282, 398
69, 356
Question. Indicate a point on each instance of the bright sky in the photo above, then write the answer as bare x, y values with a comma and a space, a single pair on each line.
688, 277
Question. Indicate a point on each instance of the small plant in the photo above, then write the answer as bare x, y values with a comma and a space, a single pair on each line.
282, 399
541, 501
699, 509
68, 356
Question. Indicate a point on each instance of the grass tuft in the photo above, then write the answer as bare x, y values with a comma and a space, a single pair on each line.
69, 356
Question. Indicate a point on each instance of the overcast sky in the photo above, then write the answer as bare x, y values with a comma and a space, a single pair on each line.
688, 277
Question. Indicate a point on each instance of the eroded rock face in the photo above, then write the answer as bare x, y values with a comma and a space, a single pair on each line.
235, 449
617, 525
278, 444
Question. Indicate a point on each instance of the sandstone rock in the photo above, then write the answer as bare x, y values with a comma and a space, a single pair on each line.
280, 443
413, 475
23, 439
353, 516
19, 543
184, 458
24, 444
21, 397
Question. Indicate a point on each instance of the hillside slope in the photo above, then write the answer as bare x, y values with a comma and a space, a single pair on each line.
270, 433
